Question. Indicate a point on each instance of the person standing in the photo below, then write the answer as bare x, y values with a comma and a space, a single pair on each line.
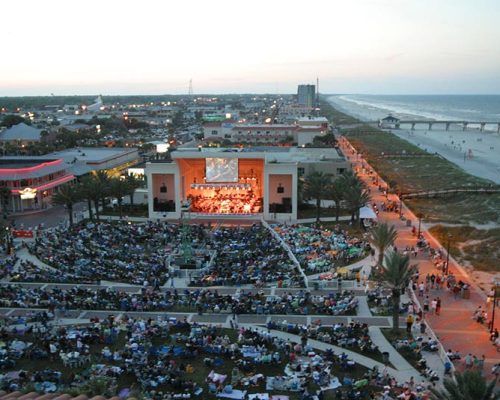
438, 305
433, 306
409, 322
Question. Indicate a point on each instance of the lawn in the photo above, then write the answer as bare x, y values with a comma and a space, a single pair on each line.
201, 370
334, 116
479, 248
460, 208
408, 354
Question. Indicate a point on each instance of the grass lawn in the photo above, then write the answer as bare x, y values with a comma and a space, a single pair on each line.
334, 116
311, 212
470, 246
135, 211
401, 334
200, 369
374, 355
410, 174
461, 208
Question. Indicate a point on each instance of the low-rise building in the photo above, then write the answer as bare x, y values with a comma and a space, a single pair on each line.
32, 181
21, 135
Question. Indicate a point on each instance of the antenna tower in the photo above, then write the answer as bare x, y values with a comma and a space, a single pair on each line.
317, 92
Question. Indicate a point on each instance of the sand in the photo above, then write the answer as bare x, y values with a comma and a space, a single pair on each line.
478, 153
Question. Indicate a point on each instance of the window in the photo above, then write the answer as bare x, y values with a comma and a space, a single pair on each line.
215, 133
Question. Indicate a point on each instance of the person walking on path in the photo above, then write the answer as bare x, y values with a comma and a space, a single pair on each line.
468, 361
433, 306
438, 306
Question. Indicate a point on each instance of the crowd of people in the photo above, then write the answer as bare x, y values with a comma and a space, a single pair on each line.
228, 201
248, 256
319, 250
194, 300
129, 253
167, 359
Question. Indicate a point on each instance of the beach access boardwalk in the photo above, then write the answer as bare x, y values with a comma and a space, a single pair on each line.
454, 327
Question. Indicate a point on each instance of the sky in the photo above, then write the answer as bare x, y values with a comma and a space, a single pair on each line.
259, 46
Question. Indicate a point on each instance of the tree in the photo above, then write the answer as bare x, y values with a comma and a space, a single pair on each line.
383, 236
356, 197
118, 188
88, 191
4, 200
314, 187
67, 195
396, 273
337, 194
11, 120
132, 184
469, 385
104, 181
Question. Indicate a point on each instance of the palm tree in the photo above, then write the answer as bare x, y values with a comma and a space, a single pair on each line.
314, 187
396, 274
118, 188
87, 191
67, 195
356, 197
132, 184
383, 237
470, 385
4, 199
337, 189
104, 181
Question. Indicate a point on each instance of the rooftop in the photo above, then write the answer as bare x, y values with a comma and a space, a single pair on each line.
91, 154
21, 132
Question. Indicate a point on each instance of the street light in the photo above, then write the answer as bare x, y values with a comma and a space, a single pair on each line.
492, 327
419, 216
448, 255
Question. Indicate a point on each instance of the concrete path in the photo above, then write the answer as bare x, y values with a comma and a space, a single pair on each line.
403, 373
454, 327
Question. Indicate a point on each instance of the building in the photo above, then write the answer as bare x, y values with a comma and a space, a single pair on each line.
241, 183
84, 160
272, 134
21, 135
306, 95
32, 181
389, 122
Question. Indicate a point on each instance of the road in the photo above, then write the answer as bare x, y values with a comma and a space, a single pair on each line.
50, 217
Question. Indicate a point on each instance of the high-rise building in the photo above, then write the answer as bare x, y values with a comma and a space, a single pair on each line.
306, 95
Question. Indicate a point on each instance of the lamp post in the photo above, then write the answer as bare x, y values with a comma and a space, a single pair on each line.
492, 328
448, 255
419, 216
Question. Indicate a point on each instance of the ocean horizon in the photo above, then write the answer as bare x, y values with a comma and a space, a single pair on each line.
437, 107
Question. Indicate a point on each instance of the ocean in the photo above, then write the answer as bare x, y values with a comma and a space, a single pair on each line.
438, 107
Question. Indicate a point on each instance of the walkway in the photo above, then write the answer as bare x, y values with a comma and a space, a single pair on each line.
454, 327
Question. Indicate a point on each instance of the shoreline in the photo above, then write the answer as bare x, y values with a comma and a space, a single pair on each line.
473, 151
426, 140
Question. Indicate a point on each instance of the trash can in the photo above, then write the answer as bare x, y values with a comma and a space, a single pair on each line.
385, 357
408, 222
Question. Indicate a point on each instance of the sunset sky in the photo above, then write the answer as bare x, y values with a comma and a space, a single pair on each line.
258, 46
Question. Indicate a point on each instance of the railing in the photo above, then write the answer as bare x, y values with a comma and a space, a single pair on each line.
430, 333
288, 250
429, 193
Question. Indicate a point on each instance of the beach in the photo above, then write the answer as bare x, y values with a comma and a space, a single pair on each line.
477, 153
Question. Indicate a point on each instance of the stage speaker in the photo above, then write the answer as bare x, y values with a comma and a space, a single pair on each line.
286, 201
280, 189
163, 189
